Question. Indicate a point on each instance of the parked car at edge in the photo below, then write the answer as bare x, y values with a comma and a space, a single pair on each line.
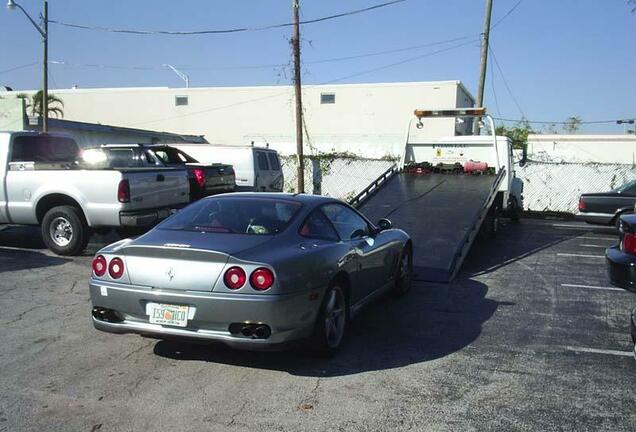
250, 270
633, 329
205, 179
621, 263
257, 169
42, 183
605, 208
621, 258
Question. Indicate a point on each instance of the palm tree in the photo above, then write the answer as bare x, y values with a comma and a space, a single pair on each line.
35, 104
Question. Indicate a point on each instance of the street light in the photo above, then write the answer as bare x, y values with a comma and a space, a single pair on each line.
181, 75
625, 123
44, 32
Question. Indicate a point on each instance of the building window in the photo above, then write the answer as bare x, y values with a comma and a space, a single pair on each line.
180, 100
327, 98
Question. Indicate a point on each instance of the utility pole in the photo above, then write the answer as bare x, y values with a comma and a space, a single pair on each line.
299, 99
484, 64
45, 82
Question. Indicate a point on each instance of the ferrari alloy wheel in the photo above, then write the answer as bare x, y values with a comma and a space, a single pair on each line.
332, 322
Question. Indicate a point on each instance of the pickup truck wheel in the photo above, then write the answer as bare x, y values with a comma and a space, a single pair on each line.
65, 231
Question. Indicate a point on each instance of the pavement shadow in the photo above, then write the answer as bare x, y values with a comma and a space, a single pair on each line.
519, 240
431, 322
30, 237
26, 237
12, 259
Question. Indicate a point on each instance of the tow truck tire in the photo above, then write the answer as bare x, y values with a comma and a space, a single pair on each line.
515, 210
65, 231
491, 224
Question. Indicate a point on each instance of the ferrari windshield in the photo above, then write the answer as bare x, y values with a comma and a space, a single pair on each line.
234, 215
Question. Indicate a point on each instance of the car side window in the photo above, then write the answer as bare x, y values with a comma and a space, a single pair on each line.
29, 148
151, 159
274, 163
630, 190
262, 161
347, 222
317, 226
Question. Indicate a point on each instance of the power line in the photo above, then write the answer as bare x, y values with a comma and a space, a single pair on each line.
401, 62
503, 77
590, 122
225, 31
19, 67
494, 93
506, 15
263, 66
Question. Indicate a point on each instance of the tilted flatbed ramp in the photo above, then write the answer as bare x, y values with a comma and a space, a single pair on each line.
441, 212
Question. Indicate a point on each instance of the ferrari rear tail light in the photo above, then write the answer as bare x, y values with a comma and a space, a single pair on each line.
234, 278
581, 204
629, 243
199, 176
116, 268
99, 265
123, 191
262, 279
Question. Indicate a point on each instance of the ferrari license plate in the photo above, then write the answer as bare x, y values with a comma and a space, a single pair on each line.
166, 314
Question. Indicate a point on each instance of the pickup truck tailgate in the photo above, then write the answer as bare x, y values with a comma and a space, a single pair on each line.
157, 188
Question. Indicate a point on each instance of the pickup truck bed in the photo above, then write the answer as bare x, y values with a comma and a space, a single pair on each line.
441, 212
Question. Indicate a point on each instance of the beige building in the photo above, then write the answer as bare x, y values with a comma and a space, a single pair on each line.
367, 119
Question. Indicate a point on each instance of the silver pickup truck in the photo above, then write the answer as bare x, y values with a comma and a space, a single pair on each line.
43, 182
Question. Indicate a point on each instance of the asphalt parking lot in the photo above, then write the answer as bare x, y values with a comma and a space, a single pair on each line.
530, 336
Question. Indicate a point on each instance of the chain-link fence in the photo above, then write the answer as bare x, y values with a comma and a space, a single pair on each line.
554, 187
340, 177
558, 186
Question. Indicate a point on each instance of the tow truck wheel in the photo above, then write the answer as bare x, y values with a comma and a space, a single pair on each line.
65, 231
515, 210
491, 224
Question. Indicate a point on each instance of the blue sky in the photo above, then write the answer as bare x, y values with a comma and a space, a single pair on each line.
559, 57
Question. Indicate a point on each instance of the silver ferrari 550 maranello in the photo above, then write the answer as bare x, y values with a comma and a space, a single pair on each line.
250, 270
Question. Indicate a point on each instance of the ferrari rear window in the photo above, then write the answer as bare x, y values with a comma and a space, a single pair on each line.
234, 215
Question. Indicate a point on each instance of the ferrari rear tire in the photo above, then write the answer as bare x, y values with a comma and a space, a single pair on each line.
331, 324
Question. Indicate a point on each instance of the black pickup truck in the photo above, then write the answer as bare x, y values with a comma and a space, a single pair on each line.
605, 208
204, 179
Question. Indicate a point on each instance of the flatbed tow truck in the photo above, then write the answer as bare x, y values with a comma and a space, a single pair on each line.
445, 192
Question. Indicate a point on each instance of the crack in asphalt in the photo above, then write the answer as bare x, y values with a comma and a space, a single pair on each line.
22, 314
310, 401
236, 414
138, 349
